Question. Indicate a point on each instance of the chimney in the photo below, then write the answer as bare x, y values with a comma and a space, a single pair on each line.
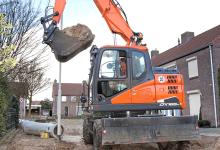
154, 53
55, 81
186, 36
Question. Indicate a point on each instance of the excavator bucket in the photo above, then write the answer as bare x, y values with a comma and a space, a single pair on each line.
69, 42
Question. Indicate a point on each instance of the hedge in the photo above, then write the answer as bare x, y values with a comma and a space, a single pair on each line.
3, 104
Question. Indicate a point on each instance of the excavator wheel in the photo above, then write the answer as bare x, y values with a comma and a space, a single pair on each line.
97, 135
167, 146
181, 145
87, 135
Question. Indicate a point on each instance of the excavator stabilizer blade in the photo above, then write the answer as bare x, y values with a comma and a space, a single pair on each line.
69, 42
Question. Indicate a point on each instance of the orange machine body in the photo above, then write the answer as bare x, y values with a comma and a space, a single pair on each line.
164, 86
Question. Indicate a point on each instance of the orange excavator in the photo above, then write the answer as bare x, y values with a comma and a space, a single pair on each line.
127, 98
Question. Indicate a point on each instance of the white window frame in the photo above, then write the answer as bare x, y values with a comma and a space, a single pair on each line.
192, 72
170, 65
64, 99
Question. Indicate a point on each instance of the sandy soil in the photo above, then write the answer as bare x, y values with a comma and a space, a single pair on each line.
72, 139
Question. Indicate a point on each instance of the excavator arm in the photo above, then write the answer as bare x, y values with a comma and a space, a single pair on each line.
116, 19
114, 16
111, 11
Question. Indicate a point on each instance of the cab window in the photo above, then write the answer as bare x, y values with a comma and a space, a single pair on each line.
113, 64
110, 88
138, 65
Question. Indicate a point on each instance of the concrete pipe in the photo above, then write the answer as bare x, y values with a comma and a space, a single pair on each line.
36, 128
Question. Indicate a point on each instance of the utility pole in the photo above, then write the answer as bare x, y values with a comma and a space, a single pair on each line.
24, 102
59, 95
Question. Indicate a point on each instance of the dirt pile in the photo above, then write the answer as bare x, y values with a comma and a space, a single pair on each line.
80, 31
70, 41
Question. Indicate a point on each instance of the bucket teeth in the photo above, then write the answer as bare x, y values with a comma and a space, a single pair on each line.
66, 47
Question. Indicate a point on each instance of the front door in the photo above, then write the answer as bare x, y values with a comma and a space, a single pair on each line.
143, 88
194, 104
113, 84
66, 111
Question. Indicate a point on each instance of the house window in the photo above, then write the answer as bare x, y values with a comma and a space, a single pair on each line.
192, 67
73, 98
64, 98
113, 64
171, 65
138, 65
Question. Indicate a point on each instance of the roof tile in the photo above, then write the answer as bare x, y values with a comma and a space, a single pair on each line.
68, 89
198, 42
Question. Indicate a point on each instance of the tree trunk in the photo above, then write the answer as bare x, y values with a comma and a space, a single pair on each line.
30, 102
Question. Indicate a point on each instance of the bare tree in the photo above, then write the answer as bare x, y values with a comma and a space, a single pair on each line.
24, 18
24, 34
34, 77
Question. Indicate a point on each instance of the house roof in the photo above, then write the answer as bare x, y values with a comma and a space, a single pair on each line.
198, 42
68, 89
35, 103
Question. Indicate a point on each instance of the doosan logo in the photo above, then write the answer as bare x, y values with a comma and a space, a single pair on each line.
161, 79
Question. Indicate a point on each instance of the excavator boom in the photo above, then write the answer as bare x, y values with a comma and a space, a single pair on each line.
112, 14
68, 47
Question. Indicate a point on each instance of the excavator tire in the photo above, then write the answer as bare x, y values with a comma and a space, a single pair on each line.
87, 127
184, 145
181, 145
97, 135
168, 146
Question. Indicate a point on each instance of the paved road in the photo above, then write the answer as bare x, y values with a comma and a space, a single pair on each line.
214, 132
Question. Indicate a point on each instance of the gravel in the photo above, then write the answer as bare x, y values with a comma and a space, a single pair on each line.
72, 139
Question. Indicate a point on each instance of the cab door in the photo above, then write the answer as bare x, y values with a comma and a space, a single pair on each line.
113, 84
143, 87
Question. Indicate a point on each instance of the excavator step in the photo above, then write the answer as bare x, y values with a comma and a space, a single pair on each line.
133, 130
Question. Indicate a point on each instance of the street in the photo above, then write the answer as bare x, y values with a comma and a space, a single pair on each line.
72, 139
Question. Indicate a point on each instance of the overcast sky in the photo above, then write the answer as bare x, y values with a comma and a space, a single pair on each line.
161, 21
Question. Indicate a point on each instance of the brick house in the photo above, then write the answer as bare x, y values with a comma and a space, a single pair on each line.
198, 59
70, 105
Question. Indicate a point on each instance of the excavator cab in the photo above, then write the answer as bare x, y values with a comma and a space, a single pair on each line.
122, 79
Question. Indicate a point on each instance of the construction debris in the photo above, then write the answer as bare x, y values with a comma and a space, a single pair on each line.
70, 41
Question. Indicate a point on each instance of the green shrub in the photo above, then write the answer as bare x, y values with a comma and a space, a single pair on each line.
3, 104
204, 124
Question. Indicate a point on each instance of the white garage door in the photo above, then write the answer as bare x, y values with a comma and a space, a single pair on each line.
194, 104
